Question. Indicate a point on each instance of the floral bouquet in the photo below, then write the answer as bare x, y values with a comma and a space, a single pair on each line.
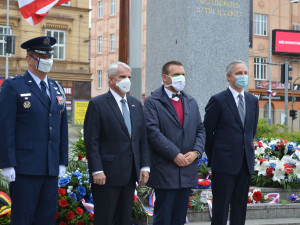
277, 164
74, 189
255, 196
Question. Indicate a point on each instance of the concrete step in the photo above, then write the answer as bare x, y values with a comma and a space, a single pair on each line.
277, 221
255, 212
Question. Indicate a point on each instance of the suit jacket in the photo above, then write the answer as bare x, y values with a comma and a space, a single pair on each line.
108, 144
227, 140
33, 137
167, 138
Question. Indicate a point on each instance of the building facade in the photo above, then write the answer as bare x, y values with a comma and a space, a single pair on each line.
283, 17
69, 24
105, 22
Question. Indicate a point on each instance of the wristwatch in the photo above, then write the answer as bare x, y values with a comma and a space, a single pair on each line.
199, 155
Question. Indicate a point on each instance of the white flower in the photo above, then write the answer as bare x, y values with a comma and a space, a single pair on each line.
260, 151
278, 172
261, 168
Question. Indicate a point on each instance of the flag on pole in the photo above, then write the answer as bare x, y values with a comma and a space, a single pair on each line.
34, 11
1, 81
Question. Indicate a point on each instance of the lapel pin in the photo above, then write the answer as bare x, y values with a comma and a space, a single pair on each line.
27, 104
55, 88
29, 81
58, 92
132, 105
26, 98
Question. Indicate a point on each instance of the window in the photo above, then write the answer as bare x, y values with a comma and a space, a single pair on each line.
260, 24
59, 47
266, 111
99, 44
112, 42
99, 78
260, 68
3, 30
112, 7
100, 9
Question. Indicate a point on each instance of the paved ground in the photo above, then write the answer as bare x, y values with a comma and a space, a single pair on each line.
287, 221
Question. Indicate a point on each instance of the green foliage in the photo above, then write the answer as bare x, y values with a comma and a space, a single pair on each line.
5, 219
196, 202
264, 130
203, 169
4, 184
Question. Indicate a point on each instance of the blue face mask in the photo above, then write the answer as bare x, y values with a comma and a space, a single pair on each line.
241, 81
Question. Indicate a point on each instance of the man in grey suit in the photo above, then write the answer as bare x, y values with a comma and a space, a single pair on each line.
117, 149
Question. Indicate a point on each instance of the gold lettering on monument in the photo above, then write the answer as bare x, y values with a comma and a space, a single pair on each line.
219, 7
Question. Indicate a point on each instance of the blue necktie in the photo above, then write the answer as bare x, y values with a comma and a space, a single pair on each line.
126, 116
44, 93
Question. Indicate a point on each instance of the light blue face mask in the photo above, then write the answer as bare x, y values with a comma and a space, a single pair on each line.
241, 81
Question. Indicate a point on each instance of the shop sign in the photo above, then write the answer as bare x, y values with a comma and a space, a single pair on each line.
264, 84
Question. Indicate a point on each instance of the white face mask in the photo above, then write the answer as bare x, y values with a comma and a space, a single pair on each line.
44, 65
124, 85
178, 82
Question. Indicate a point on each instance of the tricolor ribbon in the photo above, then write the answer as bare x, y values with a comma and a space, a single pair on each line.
88, 206
271, 93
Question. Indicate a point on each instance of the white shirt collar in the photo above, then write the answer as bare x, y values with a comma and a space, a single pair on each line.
170, 93
117, 97
235, 93
38, 80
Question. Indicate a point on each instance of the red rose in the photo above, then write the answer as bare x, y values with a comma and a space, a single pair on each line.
62, 223
257, 196
70, 215
249, 201
262, 160
135, 198
92, 216
61, 191
80, 157
287, 168
80, 223
79, 210
269, 172
63, 203
57, 215
189, 205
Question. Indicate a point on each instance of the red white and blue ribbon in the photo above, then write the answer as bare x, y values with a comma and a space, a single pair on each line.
294, 198
88, 206
271, 93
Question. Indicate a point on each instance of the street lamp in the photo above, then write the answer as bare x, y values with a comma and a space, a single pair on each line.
270, 81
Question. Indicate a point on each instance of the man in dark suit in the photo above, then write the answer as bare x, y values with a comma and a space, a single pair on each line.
34, 136
117, 149
230, 122
176, 138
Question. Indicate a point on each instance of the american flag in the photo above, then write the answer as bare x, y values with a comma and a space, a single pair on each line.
34, 11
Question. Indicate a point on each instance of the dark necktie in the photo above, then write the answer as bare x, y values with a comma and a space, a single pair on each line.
176, 95
44, 93
126, 116
241, 108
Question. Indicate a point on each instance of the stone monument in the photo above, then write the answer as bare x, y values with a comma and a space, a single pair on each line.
205, 35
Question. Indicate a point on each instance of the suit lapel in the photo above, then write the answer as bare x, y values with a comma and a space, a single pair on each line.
34, 88
115, 108
186, 110
133, 115
233, 107
248, 108
52, 92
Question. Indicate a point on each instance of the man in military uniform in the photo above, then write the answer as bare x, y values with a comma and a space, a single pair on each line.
33, 136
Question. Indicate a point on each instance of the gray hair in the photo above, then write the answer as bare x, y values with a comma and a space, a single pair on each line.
113, 68
232, 64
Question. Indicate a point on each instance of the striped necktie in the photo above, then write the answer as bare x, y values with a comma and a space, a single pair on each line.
241, 108
126, 116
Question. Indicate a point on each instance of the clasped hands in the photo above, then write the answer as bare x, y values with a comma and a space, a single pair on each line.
186, 159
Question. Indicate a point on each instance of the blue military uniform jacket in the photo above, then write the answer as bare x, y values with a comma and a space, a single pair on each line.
33, 137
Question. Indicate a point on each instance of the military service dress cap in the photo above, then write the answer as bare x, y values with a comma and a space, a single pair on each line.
41, 45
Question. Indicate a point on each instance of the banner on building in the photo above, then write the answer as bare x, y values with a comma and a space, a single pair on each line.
264, 84
79, 110
275, 98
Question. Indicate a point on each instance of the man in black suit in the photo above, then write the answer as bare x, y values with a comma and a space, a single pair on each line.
230, 122
117, 149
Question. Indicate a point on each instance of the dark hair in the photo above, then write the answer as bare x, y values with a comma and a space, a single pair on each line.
165, 69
